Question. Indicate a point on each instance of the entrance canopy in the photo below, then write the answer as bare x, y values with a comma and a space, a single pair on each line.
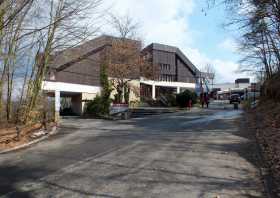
177, 85
77, 92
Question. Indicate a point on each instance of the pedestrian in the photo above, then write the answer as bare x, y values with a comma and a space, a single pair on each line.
190, 104
202, 100
207, 100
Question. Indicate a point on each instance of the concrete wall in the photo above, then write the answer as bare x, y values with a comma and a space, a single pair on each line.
87, 97
76, 102
134, 96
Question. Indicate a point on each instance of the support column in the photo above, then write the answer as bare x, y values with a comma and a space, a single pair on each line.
178, 90
153, 92
57, 105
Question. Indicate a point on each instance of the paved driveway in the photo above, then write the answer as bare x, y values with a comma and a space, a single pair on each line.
188, 155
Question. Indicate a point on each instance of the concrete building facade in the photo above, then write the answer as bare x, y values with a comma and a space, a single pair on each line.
240, 86
174, 71
75, 72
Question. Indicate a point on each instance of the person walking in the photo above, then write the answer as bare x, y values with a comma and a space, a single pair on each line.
190, 104
202, 100
207, 100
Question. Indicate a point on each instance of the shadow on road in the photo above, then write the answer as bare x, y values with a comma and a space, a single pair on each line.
11, 176
176, 135
14, 176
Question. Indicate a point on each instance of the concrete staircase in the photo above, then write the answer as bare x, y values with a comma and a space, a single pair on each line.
142, 112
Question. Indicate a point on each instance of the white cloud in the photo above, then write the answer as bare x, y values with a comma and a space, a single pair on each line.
229, 44
226, 71
162, 21
166, 22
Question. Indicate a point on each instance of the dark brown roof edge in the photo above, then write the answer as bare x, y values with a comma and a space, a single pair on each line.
176, 50
68, 64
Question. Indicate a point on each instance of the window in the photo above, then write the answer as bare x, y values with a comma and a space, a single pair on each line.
161, 66
167, 78
165, 66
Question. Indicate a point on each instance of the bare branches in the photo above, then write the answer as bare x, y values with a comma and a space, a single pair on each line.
209, 71
126, 62
30, 32
10, 9
125, 27
258, 23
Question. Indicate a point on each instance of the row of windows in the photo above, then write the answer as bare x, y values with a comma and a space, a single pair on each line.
165, 66
168, 78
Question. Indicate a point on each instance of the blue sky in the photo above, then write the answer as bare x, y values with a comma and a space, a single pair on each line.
209, 29
182, 23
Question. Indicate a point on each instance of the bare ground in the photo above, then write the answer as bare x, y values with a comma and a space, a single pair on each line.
264, 121
10, 139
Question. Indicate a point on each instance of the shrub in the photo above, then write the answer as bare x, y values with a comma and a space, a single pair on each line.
106, 90
171, 99
184, 97
96, 107
100, 105
126, 94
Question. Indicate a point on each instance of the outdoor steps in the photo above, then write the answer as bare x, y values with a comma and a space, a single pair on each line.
142, 112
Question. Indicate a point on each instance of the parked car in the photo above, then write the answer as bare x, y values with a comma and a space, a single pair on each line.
234, 98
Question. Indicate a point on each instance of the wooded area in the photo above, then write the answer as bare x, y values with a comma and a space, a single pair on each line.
258, 27
30, 31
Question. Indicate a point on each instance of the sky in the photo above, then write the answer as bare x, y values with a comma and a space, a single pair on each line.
182, 23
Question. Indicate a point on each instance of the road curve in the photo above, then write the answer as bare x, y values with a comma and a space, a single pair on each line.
203, 153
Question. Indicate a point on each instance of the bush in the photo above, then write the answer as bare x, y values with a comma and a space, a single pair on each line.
126, 94
96, 107
100, 105
184, 97
67, 111
171, 99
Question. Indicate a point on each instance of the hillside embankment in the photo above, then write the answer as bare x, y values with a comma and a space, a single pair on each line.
265, 120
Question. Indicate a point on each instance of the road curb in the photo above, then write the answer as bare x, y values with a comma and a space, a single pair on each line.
23, 146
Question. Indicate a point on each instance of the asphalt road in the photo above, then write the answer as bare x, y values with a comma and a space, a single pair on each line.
187, 154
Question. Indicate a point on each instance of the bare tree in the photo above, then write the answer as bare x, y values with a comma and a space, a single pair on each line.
259, 26
64, 27
209, 73
126, 62
125, 27
30, 32
124, 65
9, 47
10, 9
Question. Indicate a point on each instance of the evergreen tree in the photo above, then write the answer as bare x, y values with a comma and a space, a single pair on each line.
106, 90
100, 106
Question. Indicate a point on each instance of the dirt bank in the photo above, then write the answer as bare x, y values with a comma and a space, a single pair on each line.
265, 121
